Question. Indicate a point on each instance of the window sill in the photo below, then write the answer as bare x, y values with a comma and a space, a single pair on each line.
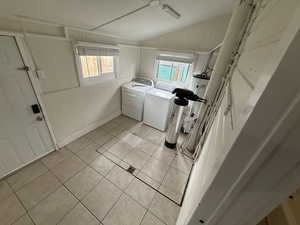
96, 80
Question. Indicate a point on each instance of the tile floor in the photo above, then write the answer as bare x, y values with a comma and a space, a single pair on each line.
85, 182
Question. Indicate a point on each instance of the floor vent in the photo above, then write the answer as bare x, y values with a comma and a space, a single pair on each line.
130, 169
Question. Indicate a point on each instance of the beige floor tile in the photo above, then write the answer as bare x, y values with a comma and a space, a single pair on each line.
110, 143
24, 220
120, 177
5, 190
170, 193
136, 158
126, 120
147, 147
164, 209
155, 169
148, 180
10, 210
157, 139
38, 189
175, 180
140, 130
118, 119
125, 212
102, 198
155, 136
150, 219
123, 134
56, 157
95, 134
68, 168
141, 192
102, 165
117, 131
26, 174
101, 140
132, 140
88, 154
83, 182
109, 126
79, 144
52, 209
79, 216
182, 163
120, 149
164, 155
112, 157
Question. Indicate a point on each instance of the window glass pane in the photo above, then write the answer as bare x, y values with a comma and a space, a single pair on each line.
84, 66
173, 71
185, 71
89, 66
107, 64
164, 70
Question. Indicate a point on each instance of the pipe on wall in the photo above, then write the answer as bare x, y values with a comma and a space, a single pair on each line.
233, 35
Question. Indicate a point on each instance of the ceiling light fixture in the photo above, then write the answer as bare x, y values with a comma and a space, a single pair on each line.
168, 9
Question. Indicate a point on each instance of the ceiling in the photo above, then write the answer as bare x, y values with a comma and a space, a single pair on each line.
142, 25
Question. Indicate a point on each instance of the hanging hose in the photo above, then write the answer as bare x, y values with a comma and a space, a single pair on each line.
196, 139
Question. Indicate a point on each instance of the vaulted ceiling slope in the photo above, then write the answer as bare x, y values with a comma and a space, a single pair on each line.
144, 24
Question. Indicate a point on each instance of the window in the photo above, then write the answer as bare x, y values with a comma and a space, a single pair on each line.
96, 63
173, 71
93, 66
173, 66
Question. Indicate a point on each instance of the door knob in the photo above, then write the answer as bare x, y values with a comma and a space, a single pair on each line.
39, 118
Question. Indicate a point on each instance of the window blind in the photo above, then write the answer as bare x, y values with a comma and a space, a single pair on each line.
97, 51
176, 57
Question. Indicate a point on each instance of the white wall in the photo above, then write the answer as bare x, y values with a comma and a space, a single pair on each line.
147, 62
260, 58
71, 109
148, 69
202, 36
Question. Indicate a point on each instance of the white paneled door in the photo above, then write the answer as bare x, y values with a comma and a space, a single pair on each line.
24, 135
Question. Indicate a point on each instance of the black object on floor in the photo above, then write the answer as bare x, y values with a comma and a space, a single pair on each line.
130, 169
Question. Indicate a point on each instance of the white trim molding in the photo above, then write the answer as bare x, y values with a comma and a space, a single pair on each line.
87, 129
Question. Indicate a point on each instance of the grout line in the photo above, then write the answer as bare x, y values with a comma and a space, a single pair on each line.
69, 211
87, 165
123, 192
178, 204
26, 211
79, 201
115, 202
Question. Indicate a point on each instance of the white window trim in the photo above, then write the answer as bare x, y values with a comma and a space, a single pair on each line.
96, 79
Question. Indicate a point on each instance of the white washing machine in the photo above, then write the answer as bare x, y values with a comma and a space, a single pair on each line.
133, 95
157, 107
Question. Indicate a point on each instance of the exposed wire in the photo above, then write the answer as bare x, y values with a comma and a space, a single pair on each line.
122, 16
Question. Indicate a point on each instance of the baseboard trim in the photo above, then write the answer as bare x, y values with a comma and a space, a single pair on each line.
87, 129
26, 164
